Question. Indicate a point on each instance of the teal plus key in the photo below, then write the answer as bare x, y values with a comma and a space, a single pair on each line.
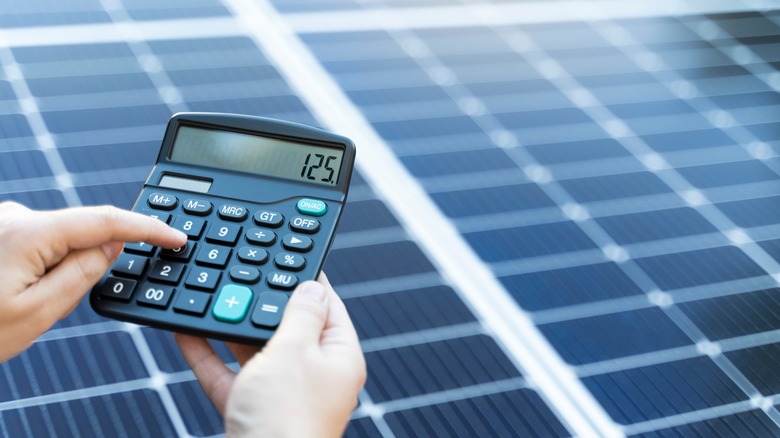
232, 303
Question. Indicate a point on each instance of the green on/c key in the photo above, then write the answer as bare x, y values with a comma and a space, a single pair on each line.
312, 207
232, 303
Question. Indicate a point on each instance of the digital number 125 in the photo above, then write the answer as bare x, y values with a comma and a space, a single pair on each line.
317, 167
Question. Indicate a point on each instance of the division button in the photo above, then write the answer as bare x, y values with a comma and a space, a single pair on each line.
161, 201
232, 212
197, 207
252, 255
244, 274
282, 281
269, 309
268, 218
232, 303
289, 262
117, 288
259, 236
155, 295
304, 225
297, 243
312, 207
191, 302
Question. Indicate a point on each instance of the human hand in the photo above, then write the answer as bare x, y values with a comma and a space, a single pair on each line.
49, 260
304, 382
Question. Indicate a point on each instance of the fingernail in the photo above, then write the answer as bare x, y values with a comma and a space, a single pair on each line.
311, 290
112, 249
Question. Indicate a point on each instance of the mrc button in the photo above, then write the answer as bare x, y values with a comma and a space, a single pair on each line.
304, 225
312, 207
232, 212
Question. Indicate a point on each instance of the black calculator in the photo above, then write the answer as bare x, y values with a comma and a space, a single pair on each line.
260, 200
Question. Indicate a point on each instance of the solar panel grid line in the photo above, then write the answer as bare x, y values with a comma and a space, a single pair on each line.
369, 409
373, 16
294, 74
422, 337
43, 138
689, 417
686, 324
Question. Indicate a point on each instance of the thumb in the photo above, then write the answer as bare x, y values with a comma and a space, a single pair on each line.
304, 317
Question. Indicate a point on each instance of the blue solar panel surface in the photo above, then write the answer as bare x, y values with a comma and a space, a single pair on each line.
617, 178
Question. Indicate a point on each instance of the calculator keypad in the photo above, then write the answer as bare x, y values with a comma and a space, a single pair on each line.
232, 270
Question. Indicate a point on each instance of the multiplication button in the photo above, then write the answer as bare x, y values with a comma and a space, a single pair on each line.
252, 255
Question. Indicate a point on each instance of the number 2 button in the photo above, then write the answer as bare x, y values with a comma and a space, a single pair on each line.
166, 272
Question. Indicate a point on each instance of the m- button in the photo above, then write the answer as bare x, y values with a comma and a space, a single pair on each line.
196, 207
312, 207
232, 212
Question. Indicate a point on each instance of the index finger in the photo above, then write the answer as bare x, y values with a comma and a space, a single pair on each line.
87, 227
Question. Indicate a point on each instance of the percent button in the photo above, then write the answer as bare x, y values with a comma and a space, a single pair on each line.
290, 262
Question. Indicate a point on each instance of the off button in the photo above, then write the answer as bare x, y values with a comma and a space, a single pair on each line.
312, 207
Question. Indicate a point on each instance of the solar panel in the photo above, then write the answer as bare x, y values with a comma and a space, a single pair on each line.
563, 220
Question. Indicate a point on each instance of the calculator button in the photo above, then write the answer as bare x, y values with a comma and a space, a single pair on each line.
279, 280
213, 255
244, 274
196, 206
190, 226
289, 262
253, 256
304, 225
224, 234
232, 303
130, 265
269, 309
267, 218
161, 201
202, 278
166, 272
155, 295
117, 288
297, 243
312, 207
181, 254
192, 302
232, 212
258, 236
139, 248
165, 217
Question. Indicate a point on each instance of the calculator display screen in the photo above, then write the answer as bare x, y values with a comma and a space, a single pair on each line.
257, 154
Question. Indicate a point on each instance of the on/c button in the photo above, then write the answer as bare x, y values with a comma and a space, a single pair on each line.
312, 207
232, 303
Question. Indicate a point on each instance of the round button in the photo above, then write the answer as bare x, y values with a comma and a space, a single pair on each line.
312, 207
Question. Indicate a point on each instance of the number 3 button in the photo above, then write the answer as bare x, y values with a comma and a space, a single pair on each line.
201, 278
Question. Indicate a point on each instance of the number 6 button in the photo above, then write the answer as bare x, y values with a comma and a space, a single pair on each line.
213, 256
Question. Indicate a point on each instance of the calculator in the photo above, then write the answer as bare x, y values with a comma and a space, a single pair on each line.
259, 200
